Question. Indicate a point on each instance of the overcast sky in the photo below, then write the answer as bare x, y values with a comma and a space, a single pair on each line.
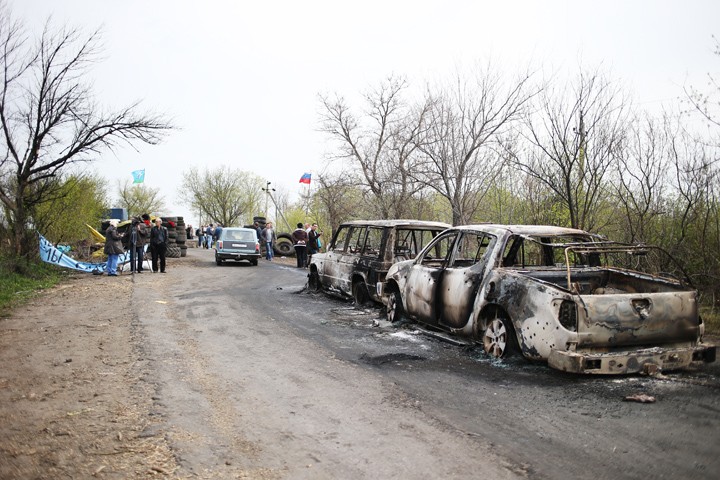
241, 79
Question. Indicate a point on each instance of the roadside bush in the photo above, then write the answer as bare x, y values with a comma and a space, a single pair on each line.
16, 288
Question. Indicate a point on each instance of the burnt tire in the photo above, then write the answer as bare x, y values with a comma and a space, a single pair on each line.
498, 338
395, 310
314, 281
360, 293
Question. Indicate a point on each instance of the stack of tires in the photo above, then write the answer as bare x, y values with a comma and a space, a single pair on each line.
173, 250
181, 236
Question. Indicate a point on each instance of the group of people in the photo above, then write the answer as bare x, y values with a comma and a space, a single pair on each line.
139, 234
207, 235
306, 240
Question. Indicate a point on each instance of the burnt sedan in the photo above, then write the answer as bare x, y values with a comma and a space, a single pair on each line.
565, 296
361, 252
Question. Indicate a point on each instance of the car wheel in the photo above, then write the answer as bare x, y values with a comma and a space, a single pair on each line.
314, 281
395, 308
360, 294
498, 337
218, 262
254, 262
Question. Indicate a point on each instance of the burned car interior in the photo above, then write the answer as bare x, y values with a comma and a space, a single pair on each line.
589, 267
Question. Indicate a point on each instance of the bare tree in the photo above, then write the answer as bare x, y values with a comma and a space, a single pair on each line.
337, 197
642, 173
223, 195
140, 198
49, 120
463, 131
380, 144
574, 137
707, 104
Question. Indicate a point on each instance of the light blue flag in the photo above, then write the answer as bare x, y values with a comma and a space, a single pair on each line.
138, 176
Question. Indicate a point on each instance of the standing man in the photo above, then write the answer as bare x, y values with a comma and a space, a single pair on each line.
113, 247
209, 231
300, 238
139, 234
259, 230
200, 232
313, 237
268, 237
217, 232
158, 245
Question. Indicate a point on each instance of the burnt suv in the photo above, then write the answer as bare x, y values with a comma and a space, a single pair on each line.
361, 252
570, 298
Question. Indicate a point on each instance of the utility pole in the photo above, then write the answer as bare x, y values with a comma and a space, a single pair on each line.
267, 190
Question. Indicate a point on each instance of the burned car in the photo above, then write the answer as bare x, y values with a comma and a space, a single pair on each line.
361, 252
565, 296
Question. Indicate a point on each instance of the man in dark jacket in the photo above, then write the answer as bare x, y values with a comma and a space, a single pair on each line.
113, 247
313, 237
300, 239
139, 233
158, 245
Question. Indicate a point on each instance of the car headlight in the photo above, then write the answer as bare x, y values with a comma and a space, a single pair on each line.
568, 315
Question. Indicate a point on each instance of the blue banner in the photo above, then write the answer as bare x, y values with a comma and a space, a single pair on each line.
50, 254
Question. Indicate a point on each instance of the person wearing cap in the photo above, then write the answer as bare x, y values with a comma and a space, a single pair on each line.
113, 248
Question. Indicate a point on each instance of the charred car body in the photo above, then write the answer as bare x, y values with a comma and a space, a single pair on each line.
361, 252
565, 296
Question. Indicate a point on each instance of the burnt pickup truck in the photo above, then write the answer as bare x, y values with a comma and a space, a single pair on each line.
565, 296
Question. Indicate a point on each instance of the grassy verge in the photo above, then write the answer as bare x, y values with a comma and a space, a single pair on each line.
16, 288
711, 317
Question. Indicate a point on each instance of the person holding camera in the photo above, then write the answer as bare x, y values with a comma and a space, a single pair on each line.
138, 239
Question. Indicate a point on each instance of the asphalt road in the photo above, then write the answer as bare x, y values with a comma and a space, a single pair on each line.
256, 378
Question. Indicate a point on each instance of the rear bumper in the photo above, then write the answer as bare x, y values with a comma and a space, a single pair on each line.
650, 360
237, 256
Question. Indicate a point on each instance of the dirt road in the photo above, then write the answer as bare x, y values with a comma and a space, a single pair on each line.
228, 372
113, 378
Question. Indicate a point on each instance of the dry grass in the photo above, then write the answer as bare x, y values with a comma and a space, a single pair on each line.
711, 317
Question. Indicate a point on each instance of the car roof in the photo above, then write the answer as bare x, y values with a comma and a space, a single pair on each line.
241, 229
531, 230
398, 223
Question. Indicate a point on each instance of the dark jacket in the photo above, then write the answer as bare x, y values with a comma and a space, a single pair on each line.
299, 237
263, 235
143, 234
113, 244
158, 235
313, 240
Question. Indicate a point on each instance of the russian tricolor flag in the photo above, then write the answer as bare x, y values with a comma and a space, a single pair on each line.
305, 178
